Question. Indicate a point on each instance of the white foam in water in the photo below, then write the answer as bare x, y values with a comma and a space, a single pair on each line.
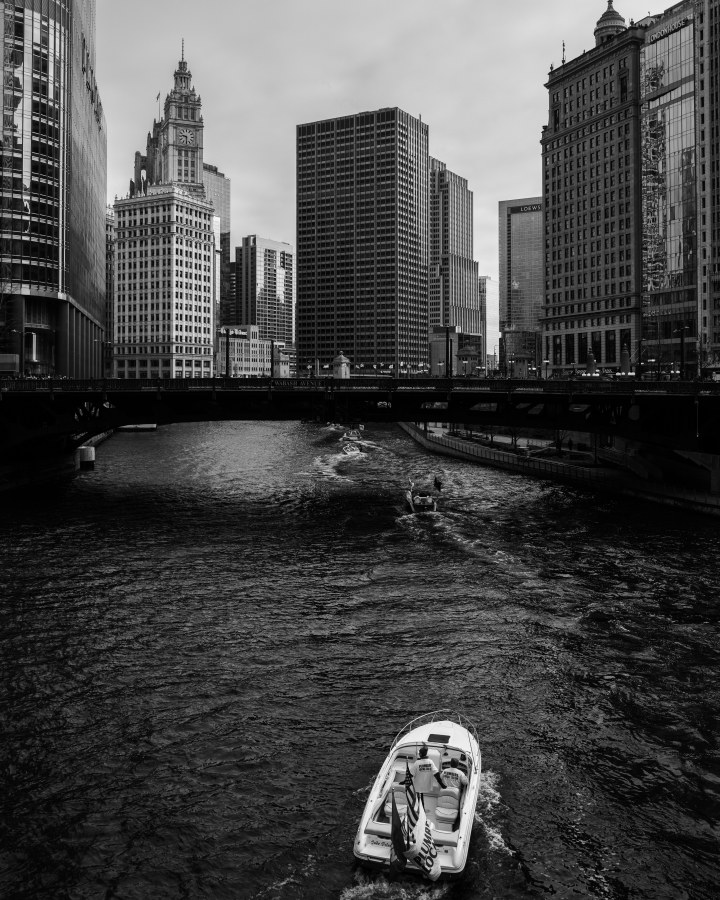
366, 888
488, 802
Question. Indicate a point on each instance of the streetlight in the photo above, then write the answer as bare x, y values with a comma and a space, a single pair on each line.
546, 363
440, 363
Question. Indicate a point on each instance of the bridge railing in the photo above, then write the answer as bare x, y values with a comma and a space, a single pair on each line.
379, 384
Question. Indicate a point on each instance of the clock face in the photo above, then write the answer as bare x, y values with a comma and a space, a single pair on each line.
186, 136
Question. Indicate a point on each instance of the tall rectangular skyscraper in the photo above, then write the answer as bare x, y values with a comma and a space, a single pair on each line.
453, 274
362, 226
54, 188
521, 280
674, 199
265, 288
217, 191
490, 312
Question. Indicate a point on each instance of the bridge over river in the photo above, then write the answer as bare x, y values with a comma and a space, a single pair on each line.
44, 417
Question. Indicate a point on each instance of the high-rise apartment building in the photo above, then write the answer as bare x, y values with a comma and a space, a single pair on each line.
521, 283
265, 286
362, 227
453, 274
217, 191
592, 204
167, 255
54, 174
109, 291
489, 290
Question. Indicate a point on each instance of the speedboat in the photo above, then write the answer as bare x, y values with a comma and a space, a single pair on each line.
446, 815
352, 435
420, 502
352, 449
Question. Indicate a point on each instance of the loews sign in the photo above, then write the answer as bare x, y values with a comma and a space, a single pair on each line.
534, 207
670, 29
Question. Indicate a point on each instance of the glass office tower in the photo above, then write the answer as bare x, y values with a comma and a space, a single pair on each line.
521, 282
54, 171
362, 226
669, 192
453, 277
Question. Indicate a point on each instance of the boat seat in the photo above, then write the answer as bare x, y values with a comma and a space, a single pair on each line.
400, 799
446, 812
445, 838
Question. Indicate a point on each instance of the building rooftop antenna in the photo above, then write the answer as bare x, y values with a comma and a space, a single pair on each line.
183, 49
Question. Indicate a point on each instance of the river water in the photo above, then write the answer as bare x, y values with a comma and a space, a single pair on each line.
208, 643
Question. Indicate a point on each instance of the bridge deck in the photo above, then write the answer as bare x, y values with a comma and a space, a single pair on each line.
590, 385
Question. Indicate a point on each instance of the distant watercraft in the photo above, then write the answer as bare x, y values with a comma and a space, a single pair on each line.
420, 501
138, 428
428, 837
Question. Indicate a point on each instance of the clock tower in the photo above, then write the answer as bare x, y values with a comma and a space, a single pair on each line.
181, 133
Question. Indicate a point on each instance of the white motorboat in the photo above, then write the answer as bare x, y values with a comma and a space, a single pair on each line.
352, 449
449, 811
352, 435
420, 503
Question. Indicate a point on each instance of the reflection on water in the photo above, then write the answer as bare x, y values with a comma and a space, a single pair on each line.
209, 642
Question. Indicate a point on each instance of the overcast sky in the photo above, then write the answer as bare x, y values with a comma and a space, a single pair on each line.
474, 69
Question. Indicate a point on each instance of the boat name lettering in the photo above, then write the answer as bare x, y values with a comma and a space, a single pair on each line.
380, 843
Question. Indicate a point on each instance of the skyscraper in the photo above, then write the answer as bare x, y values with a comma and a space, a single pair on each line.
109, 291
453, 274
167, 251
265, 286
490, 313
674, 199
174, 151
521, 283
217, 191
54, 174
362, 226
592, 214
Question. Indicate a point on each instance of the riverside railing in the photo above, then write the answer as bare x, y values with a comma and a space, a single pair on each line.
574, 387
590, 477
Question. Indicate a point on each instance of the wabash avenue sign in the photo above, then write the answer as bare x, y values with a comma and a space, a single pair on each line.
534, 207
670, 29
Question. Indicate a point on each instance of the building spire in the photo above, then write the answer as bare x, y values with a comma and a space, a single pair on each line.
183, 44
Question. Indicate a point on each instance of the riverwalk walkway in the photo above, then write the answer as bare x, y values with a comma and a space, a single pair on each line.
602, 478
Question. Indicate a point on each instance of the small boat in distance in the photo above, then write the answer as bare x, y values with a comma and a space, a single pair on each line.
352, 435
420, 501
449, 812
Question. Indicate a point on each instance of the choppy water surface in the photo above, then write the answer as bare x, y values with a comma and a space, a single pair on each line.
208, 643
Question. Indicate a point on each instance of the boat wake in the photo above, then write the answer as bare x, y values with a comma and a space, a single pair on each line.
488, 803
367, 887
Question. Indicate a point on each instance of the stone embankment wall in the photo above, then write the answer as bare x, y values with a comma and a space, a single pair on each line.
600, 478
